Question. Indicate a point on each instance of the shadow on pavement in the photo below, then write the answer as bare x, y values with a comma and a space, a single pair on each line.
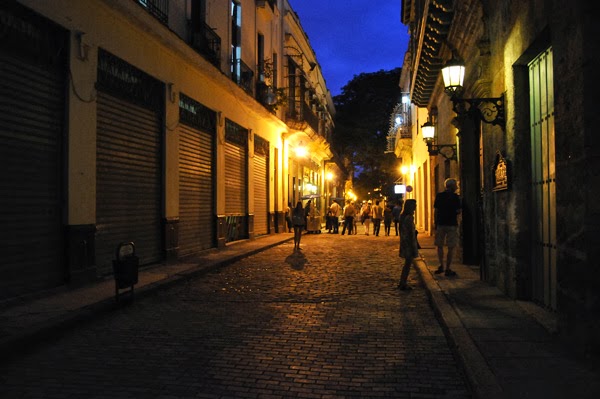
297, 260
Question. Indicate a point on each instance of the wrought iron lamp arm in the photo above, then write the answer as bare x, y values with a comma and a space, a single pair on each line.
448, 151
488, 110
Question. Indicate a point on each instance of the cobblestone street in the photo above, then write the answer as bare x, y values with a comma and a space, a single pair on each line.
323, 322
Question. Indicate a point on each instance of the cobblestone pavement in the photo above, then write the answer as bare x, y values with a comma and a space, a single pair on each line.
323, 322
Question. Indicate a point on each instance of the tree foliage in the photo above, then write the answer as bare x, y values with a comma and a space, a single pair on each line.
361, 125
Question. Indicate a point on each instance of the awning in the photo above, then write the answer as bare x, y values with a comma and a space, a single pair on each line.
310, 196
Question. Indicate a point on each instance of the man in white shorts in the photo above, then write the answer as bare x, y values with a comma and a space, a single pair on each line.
447, 207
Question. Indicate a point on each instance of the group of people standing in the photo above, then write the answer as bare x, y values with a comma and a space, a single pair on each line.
447, 208
369, 214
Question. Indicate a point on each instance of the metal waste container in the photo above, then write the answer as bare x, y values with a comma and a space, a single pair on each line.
125, 267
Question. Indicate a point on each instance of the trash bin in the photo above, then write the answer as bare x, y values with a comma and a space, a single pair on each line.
125, 267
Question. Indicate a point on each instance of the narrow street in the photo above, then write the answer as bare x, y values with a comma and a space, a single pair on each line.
323, 322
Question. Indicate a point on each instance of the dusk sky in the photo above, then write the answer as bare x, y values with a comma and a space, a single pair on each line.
353, 36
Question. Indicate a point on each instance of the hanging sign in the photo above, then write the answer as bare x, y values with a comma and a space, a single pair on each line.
500, 173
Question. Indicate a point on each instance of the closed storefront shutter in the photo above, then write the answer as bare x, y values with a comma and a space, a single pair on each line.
236, 181
128, 204
196, 227
261, 192
32, 87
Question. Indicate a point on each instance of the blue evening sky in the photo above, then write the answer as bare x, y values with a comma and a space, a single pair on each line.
353, 36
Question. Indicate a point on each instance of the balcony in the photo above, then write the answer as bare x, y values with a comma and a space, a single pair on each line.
304, 106
159, 9
208, 44
265, 3
243, 76
300, 115
400, 127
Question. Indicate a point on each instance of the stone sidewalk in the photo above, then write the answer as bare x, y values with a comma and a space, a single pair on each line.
505, 351
28, 320
508, 348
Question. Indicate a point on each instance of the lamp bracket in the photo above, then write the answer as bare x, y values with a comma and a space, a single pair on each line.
488, 110
448, 151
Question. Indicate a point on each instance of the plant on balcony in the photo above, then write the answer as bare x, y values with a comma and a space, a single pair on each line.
271, 97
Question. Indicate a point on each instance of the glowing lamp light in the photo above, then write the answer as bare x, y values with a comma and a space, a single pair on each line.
301, 151
428, 130
454, 75
488, 110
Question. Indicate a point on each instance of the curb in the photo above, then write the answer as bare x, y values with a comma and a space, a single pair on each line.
482, 380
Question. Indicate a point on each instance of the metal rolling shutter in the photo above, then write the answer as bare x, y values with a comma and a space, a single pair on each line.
260, 195
31, 127
128, 188
196, 230
235, 179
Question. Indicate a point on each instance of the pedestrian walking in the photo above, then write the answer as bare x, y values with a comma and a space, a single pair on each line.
366, 213
387, 218
288, 217
396, 214
328, 221
349, 213
377, 217
446, 208
335, 209
357, 208
298, 221
408, 241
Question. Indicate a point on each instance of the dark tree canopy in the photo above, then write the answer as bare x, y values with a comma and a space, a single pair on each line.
363, 113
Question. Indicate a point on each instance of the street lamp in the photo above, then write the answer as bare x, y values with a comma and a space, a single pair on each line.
448, 151
488, 110
300, 150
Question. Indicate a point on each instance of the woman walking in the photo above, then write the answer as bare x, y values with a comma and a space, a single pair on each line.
408, 241
298, 222
387, 218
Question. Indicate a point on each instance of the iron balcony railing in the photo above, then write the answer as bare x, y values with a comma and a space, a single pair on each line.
302, 105
243, 76
208, 44
157, 8
300, 114
406, 132
310, 117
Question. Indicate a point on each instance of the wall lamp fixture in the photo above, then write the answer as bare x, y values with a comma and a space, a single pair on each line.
488, 110
448, 151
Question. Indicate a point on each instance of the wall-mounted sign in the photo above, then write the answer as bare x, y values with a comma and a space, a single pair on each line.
500, 173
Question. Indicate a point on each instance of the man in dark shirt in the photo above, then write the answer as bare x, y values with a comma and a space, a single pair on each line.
447, 207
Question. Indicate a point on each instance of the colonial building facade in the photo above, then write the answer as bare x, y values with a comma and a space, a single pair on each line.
168, 123
519, 138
